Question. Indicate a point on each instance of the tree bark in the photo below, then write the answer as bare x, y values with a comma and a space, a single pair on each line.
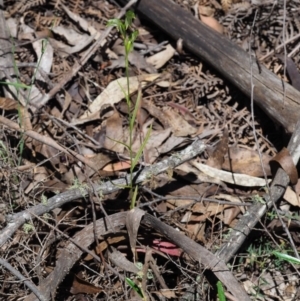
230, 60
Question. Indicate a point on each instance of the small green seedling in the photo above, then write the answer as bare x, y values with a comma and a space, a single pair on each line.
28, 227
129, 36
221, 293
135, 287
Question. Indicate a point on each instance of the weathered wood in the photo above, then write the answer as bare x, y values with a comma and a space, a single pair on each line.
228, 59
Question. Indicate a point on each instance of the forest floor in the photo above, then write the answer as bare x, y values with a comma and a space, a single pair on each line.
86, 137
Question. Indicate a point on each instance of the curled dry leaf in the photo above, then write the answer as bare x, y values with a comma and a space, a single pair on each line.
206, 10
228, 177
81, 286
161, 58
83, 24
226, 4
285, 161
133, 219
155, 141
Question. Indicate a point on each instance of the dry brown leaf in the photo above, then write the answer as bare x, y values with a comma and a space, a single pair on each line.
25, 119
171, 143
285, 161
228, 177
113, 93
230, 214
292, 71
104, 244
155, 141
201, 176
114, 133
291, 197
98, 160
179, 125
133, 219
210, 209
67, 102
72, 36
226, 4
241, 160
213, 23
216, 159
206, 10
81, 286
166, 293
8, 104
40, 175
83, 24
161, 58
155, 112
122, 165
196, 231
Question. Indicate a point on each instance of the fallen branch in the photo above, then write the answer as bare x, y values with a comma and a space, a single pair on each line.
278, 99
85, 237
17, 220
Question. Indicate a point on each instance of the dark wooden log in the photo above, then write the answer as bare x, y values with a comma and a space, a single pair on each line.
228, 59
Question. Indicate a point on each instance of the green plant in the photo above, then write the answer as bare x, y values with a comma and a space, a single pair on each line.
258, 255
135, 287
78, 185
129, 36
140, 274
221, 293
286, 257
258, 199
19, 85
28, 227
44, 200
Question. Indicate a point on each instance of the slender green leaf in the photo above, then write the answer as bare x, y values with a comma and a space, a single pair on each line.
136, 107
140, 151
16, 85
286, 257
134, 286
133, 199
221, 293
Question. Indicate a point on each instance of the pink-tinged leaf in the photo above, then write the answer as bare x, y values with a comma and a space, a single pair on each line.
166, 247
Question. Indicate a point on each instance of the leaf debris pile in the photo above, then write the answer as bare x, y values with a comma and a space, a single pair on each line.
70, 128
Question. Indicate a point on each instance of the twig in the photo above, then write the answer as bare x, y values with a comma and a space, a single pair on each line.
28, 283
17, 220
